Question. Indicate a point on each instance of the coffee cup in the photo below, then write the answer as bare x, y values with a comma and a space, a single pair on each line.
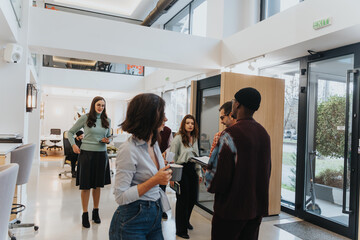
176, 172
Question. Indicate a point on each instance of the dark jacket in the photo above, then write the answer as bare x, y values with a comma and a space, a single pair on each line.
164, 139
241, 180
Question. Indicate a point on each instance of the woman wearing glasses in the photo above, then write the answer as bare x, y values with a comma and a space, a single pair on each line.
93, 163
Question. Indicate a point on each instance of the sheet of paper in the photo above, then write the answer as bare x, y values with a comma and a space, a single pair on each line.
202, 160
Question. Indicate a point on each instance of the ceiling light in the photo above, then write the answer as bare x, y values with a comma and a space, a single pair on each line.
251, 67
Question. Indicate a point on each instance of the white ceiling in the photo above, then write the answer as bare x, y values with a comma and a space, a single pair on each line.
134, 9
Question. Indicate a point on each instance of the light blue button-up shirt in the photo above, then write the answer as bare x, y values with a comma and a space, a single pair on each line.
134, 166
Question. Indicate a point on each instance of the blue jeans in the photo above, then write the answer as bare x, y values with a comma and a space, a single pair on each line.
138, 220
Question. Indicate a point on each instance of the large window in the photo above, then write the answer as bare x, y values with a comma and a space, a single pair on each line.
177, 106
190, 20
290, 72
272, 7
198, 18
180, 23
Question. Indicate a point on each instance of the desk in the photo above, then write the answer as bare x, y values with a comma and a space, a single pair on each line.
5, 150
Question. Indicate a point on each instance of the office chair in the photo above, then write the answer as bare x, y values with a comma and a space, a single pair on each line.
68, 152
55, 131
23, 156
8, 175
42, 148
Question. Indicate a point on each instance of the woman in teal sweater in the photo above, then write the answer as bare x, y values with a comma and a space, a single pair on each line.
93, 164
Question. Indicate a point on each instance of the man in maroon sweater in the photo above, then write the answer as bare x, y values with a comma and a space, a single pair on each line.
241, 179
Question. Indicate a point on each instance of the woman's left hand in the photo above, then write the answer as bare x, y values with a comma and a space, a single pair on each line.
200, 179
105, 140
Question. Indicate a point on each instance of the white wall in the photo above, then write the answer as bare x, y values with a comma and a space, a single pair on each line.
8, 24
225, 18
60, 111
12, 96
90, 80
66, 34
166, 78
13, 79
290, 33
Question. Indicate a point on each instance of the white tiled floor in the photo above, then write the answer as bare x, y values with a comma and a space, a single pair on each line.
54, 205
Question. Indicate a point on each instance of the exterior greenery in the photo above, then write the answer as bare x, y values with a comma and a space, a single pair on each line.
329, 139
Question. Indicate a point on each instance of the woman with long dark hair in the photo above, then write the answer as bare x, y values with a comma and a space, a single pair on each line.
185, 146
93, 164
139, 172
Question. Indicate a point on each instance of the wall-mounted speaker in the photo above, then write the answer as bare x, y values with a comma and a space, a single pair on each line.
13, 53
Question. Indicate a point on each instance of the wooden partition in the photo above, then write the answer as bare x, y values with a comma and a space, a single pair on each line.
270, 115
193, 98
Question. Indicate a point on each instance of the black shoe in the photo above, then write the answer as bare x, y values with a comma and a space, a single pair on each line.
190, 227
85, 220
164, 216
184, 235
95, 215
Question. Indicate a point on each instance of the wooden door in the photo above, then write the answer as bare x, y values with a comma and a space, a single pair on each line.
270, 115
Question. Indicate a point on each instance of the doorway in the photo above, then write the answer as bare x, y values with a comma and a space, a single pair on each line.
329, 189
320, 184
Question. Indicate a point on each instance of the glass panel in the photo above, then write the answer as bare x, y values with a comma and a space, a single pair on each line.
209, 125
209, 118
89, 12
16, 5
198, 15
326, 138
175, 110
35, 57
290, 73
188, 99
169, 98
180, 106
92, 65
180, 23
272, 7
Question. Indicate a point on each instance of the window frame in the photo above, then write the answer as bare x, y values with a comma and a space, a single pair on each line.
175, 89
262, 9
190, 12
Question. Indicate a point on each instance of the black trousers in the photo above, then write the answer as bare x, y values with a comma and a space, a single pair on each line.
73, 160
189, 186
235, 229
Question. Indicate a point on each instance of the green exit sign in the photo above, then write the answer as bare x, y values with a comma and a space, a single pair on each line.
322, 23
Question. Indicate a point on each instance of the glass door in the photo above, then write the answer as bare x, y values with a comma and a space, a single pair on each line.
331, 144
290, 72
207, 115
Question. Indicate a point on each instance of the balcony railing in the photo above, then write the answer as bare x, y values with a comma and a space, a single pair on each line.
92, 65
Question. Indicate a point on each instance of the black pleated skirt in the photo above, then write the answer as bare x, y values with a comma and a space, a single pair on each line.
93, 170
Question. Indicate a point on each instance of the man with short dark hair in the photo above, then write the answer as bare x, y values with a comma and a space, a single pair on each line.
225, 119
239, 173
